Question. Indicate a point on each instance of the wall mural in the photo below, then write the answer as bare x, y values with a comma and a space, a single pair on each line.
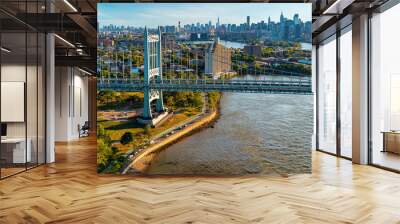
204, 89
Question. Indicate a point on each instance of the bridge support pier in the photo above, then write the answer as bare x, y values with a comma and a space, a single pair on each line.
160, 103
147, 117
152, 71
147, 105
149, 96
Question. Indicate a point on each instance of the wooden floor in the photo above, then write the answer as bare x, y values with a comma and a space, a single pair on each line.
386, 159
8, 171
70, 191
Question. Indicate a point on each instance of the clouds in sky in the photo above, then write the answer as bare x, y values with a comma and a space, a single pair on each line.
161, 14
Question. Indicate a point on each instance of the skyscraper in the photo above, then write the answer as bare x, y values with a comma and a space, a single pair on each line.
248, 22
269, 23
296, 19
217, 60
282, 27
282, 18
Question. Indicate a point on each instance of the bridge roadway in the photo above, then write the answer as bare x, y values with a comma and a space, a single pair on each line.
208, 85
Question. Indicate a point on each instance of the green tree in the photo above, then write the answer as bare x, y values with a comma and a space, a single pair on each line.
103, 134
267, 52
213, 98
116, 160
196, 100
147, 129
169, 100
109, 159
104, 152
126, 138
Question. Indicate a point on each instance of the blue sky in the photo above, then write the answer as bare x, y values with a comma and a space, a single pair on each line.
161, 14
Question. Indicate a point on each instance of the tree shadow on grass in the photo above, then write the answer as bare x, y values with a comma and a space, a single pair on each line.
126, 125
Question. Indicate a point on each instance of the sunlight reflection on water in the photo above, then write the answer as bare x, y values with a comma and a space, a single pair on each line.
256, 133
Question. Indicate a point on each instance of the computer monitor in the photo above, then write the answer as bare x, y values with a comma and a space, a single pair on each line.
3, 130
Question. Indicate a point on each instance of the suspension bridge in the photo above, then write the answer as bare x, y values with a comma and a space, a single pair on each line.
153, 84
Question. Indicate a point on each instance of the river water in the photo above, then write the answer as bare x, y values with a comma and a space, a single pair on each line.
256, 133
233, 44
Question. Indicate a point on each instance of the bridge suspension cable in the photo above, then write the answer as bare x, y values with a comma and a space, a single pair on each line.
182, 62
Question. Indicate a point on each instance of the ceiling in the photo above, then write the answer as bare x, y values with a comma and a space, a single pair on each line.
76, 20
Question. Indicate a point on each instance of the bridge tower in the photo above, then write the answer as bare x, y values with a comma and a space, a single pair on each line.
152, 71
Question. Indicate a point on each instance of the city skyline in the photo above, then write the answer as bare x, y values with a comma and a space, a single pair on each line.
154, 15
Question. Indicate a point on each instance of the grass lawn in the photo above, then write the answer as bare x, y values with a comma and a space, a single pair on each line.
174, 120
119, 100
117, 128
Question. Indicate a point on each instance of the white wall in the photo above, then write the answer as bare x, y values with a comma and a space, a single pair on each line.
61, 103
385, 75
314, 88
33, 126
71, 102
12, 73
17, 73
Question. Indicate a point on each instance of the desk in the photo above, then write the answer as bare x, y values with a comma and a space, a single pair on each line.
13, 150
391, 141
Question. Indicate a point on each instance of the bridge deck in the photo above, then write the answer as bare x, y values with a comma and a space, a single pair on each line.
210, 85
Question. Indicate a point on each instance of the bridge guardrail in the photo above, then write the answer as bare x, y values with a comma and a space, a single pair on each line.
199, 85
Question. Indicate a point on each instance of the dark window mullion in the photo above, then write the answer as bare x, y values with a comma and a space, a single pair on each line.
45, 87
316, 98
26, 86
338, 81
0, 92
369, 95
37, 89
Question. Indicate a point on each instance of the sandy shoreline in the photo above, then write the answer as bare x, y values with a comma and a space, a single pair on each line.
140, 163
